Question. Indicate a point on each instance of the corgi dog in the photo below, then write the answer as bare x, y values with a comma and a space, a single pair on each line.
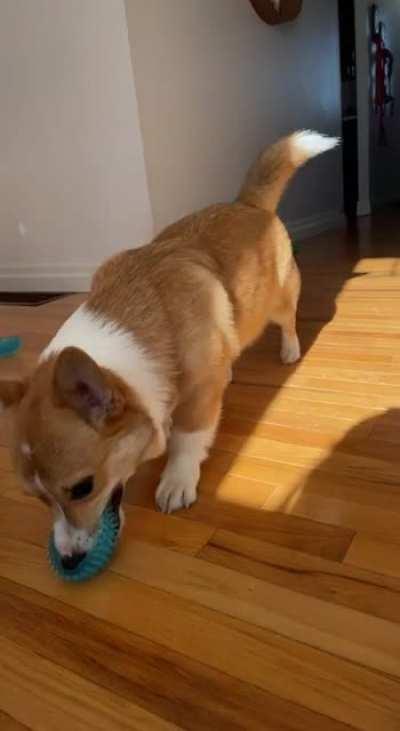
142, 366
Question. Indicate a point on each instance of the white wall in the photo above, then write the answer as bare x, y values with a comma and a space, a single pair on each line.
72, 178
215, 84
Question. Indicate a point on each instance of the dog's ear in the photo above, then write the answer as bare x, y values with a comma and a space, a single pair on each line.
11, 393
80, 384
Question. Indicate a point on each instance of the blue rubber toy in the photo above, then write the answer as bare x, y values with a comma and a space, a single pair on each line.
96, 559
9, 346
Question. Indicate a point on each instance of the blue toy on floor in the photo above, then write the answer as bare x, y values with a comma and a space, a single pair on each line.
9, 346
96, 559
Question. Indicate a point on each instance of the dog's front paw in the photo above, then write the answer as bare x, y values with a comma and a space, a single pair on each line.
174, 493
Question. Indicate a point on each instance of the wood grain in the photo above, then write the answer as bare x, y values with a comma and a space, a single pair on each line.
334, 582
62, 699
183, 691
269, 661
7, 723
375, 555
364, 639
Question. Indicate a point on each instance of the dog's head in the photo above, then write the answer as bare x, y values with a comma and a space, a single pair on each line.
78, 433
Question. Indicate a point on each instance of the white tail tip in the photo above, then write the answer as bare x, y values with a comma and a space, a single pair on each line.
306, 144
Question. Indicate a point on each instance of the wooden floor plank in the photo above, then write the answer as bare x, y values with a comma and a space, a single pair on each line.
339, 462
336, 630
362, 589
383, 394
187, 693
236, 503
367, 552
292, 671
381, 524
257, 401
61, 700
5, 460
293, 531
7, 723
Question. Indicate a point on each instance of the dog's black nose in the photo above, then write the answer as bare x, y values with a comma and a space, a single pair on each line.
69, 563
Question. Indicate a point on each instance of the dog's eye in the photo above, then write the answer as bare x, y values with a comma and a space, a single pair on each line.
82, 489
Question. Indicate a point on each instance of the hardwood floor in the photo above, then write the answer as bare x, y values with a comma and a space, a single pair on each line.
274, 602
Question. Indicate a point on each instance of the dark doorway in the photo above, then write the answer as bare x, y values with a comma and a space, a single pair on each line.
348, 70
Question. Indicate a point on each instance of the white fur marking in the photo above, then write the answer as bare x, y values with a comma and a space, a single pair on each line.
306, 144
223, 316
68, 539
114, 348
178, 486
39, 484
34, 486
26, 449
290, 350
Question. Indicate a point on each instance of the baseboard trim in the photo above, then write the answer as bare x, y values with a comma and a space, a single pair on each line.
363, 208
316, 224
55, 278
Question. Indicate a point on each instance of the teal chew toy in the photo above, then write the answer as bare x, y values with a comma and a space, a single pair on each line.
98, 557
9, 346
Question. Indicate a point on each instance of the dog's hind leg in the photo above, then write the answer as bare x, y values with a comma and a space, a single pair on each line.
290, 347
285, 316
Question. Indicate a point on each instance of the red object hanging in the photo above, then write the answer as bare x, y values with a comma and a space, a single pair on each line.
383, 76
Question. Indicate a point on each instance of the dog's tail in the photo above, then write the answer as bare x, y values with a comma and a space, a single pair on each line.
270, 174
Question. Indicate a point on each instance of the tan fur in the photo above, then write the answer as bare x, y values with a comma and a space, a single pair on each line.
202, 291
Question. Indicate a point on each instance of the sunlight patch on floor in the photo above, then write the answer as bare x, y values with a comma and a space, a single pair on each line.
383, 265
